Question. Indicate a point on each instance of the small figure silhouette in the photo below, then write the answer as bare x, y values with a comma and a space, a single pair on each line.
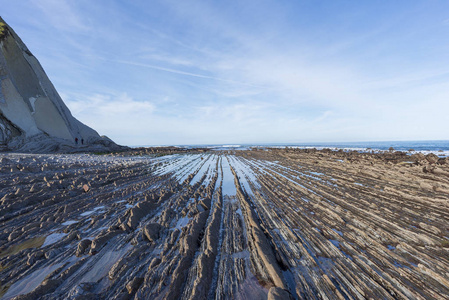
76, 141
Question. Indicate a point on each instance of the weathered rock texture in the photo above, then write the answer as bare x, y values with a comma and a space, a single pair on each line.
33, 116
276, 224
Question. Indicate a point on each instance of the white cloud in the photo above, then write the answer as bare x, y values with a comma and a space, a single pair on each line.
113, 115
204, 72
62, 14
110, 105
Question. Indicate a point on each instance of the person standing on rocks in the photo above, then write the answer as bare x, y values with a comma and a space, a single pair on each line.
76, 141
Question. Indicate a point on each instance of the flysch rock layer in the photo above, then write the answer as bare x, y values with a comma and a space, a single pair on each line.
256, 224
33, 117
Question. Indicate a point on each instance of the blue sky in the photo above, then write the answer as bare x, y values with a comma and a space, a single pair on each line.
200, 72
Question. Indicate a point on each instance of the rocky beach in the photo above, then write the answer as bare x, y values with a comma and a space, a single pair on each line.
82, 217
172, 223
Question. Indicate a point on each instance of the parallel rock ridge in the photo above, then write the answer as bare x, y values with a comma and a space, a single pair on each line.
33, 116
256, 224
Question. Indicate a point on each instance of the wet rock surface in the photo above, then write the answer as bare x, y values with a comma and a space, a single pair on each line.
253, 224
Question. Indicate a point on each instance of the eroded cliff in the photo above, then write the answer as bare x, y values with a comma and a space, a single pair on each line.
33, 117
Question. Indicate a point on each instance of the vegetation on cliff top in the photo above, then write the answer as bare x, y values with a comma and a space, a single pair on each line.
3, 30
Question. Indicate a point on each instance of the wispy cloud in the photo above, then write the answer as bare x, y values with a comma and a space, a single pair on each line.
180, 72
62, 15
166, 72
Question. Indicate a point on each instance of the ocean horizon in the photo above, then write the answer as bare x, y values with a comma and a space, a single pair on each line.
429, 146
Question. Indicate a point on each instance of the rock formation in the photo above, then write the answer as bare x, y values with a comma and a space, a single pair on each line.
33, 117
257, 224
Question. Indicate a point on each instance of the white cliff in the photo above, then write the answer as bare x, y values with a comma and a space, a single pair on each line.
33, 116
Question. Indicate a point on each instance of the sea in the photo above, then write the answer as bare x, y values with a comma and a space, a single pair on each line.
438, 147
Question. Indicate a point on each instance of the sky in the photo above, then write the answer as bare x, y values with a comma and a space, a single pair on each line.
236, 72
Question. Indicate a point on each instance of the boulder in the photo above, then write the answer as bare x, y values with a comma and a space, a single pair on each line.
443, 161
101, 240
86, 188
151, 231
35, 256
134, 284
432, 158
277, 293
52, 253
82, 247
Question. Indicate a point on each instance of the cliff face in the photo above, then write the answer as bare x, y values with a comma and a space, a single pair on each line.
33, 116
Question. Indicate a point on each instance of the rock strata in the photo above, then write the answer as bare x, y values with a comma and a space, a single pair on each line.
254, 224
